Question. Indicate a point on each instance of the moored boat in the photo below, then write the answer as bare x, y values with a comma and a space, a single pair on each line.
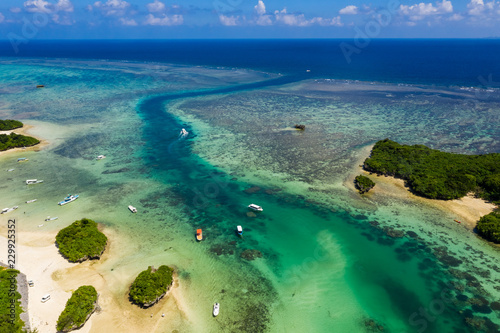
255, 207
68, 199
51, 218
30, 201
33, 181
199, 235
215, 312
100, 157
239, 230
10, 170
132, 209
22, 159
7, 210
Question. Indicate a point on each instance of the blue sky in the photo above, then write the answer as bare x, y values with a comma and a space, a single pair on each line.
249, 19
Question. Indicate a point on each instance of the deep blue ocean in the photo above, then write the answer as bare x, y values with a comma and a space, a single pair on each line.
442, 62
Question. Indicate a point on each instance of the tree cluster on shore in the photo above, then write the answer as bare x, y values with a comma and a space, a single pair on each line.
80, 306
363, 184
488, 226
10, 302
14, 140
9, 124
151, 285
81, 241
435, 174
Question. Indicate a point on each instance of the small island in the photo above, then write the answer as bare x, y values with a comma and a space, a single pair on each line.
13, 140
151, 285
488, 226
10, 302
438, 175
81, 241
435, 174
79, 308
9, 124
363, 184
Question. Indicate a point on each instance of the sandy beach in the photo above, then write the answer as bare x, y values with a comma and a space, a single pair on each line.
467, 210
39, 259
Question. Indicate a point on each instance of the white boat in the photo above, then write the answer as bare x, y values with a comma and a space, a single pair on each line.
7, 210
183, 133
216, 310
132, 209
239, 229
100, 157
33, 181
51, 218
255, 207
22, 159
30, 201
68, 199
10, 170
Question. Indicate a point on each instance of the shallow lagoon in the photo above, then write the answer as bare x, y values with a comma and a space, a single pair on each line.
331, 261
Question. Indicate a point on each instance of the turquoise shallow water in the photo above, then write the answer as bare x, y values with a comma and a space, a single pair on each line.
330, 260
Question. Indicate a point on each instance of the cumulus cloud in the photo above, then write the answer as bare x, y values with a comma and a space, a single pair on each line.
228, 20
42, 6
164, 20
156, 6
128, 22
112, 7
264, 20
479, 8
299, 20
422, 10
260, 8
455, 17
349, 10
2, 18
15, 10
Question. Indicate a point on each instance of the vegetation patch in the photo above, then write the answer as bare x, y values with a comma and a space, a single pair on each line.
435, 174
81, 241
10, 304
151, 285
488, 226
80, 306
363, 184
9, 124
14, 140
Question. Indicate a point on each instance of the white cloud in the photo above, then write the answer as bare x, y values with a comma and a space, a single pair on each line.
349, 10
299, 20
284, 17
37, 6
128, 22
64, 6
264, 20
112, 7
165, 20
42, 6
15, 10
156, 6
455, 17
420, 11
2, 18
260, 8
228, 20
479, 8
335, 21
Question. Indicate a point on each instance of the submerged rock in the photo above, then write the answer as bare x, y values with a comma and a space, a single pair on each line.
300, 127
251, 254
251, 190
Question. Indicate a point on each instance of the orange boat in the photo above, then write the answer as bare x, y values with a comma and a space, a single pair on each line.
457, 221
199, 235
